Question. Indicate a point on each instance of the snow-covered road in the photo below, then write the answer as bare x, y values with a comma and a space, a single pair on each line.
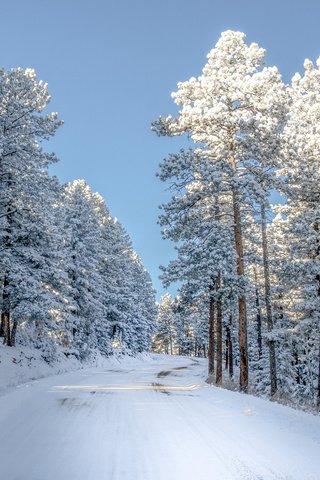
151, 420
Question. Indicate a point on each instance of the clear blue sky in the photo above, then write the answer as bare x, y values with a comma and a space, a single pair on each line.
111, 66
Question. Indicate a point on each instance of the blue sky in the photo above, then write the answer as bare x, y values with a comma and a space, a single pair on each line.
111, 66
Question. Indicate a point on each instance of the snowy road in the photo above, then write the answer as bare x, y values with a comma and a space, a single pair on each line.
151, 420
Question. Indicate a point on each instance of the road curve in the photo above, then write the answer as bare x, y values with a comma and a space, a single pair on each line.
151, 420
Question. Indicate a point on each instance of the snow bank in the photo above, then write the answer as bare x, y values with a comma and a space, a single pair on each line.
22, 364
19, 364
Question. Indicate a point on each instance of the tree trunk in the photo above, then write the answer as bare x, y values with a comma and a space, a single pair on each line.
2, 326
211, 337
230, 349
226, 357
5, 316
296, 363
7, 336
243, 344
219, 336
258, 316
13, 333
271, 342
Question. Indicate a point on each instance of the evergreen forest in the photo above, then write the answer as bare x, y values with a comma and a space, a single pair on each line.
244, 216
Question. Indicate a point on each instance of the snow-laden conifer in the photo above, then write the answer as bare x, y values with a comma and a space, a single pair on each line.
25, 193
301, 152
233, 113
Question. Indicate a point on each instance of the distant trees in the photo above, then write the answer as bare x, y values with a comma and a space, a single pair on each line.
69, 276
166, 325
252, 136
180, 329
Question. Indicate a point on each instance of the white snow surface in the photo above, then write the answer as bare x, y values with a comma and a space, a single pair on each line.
151, 418
21, 364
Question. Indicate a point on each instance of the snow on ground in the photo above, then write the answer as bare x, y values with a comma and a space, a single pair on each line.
21, 364
151, 419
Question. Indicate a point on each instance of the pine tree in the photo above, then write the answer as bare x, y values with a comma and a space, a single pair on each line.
231, 112
164, 341
82, 227
301, 170
24, 188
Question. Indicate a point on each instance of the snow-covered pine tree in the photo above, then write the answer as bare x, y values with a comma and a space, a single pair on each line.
165, 337
25, 192
191, 324
301, 146
231, 113
114, 270
65, 262
129, 297
284, 290
199, 218
142, 316
82, 252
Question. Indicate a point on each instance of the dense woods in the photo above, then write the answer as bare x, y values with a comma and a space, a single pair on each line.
249, 270
70, 278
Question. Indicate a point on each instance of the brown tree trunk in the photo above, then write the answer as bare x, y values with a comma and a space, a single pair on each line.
5, 316
242, 306
271, 341
211, 337
219, 336
243, 345
13, 333
7, 336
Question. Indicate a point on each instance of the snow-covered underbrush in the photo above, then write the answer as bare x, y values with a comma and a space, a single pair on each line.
305, 403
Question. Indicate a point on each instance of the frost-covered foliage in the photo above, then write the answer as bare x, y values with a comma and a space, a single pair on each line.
164, 340
252, 136
297, 228
181, 327
69, 276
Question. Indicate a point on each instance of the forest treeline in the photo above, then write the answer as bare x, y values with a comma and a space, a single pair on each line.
249, 270
70, 278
